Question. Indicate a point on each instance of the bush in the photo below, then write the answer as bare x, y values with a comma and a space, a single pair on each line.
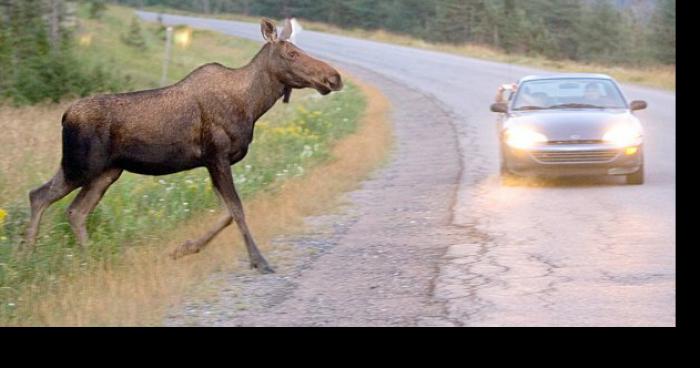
97, 7
134, 38
36, 67
52, 76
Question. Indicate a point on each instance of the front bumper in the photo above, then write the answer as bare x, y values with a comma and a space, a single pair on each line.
572, 160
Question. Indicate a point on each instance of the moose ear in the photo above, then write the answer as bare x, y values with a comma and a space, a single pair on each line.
287, 30
269, 30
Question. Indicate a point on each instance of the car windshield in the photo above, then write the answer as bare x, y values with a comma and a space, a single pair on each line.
567, 93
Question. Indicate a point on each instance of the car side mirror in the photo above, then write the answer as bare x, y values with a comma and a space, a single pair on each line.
638, 105
499, 107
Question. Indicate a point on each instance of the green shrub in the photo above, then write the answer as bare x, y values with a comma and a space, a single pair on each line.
135, 38
36, 67
96, 8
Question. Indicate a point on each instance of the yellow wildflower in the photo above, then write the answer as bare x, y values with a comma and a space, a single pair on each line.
3, 214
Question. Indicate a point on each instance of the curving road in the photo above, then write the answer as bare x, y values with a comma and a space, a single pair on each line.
591, 252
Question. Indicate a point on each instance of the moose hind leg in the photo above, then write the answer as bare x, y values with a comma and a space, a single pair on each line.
87, 200
41, 198
196, 245
223, 184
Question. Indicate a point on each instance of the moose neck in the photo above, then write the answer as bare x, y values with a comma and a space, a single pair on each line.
263, 89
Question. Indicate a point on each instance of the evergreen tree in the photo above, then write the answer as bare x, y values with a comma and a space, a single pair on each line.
36, 55
562, 20
134, 37
663, 37
452, 21
406, 16
599, 33
511, 25
96, 8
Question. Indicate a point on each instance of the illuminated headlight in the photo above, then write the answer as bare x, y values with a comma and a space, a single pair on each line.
623, 136
523, 137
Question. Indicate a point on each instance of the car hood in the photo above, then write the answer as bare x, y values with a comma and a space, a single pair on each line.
575, 124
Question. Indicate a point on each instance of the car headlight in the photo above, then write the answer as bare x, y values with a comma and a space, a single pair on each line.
519, 137
623, 136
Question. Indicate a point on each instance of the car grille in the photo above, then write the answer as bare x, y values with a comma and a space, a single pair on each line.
575, 156
579, 141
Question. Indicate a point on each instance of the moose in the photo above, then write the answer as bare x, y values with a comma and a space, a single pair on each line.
204, 120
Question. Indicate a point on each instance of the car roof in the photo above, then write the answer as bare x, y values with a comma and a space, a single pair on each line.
565, 76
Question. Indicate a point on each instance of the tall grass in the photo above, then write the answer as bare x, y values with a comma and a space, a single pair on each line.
140, 210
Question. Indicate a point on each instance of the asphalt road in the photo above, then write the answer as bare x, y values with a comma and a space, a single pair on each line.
548, 253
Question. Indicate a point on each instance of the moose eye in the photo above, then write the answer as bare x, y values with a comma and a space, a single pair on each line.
293, 54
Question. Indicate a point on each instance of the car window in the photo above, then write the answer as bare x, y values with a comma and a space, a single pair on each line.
567, 93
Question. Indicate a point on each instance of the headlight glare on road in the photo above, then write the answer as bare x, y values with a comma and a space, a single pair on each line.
623, 136
519, 137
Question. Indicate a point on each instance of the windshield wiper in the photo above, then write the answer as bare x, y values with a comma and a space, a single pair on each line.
529, 108
576, 106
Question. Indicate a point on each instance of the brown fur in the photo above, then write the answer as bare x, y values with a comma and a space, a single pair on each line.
205, 120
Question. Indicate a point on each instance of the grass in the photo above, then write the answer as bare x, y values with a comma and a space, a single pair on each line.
125, 279
657, 76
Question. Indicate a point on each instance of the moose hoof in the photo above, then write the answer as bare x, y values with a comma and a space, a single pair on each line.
186, 248
262, 267
174, 254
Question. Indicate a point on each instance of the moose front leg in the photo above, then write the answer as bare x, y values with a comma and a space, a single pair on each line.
223, 183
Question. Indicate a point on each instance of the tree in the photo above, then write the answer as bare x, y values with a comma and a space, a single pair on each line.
663, 36
511, 26
96, 8
134, 37
406, 16
599, 33
36, 50
562, 20
452, 21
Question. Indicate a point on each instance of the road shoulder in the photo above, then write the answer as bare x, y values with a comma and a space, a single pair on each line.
373, 263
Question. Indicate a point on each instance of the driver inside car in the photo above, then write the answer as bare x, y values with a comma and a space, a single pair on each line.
592, 94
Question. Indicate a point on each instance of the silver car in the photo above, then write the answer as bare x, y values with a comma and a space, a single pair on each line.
570, 124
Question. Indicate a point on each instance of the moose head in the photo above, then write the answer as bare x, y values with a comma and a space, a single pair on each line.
292, 66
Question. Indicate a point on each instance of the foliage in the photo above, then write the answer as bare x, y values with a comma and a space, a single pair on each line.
663, 34
38, 58
134, 37
609, 31
96, 8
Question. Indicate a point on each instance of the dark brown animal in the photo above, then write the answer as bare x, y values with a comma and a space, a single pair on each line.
206, 119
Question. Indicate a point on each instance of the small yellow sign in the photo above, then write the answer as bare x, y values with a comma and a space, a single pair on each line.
85, 39
183, 37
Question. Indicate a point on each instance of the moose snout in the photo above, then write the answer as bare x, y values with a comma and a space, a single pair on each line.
334, 82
